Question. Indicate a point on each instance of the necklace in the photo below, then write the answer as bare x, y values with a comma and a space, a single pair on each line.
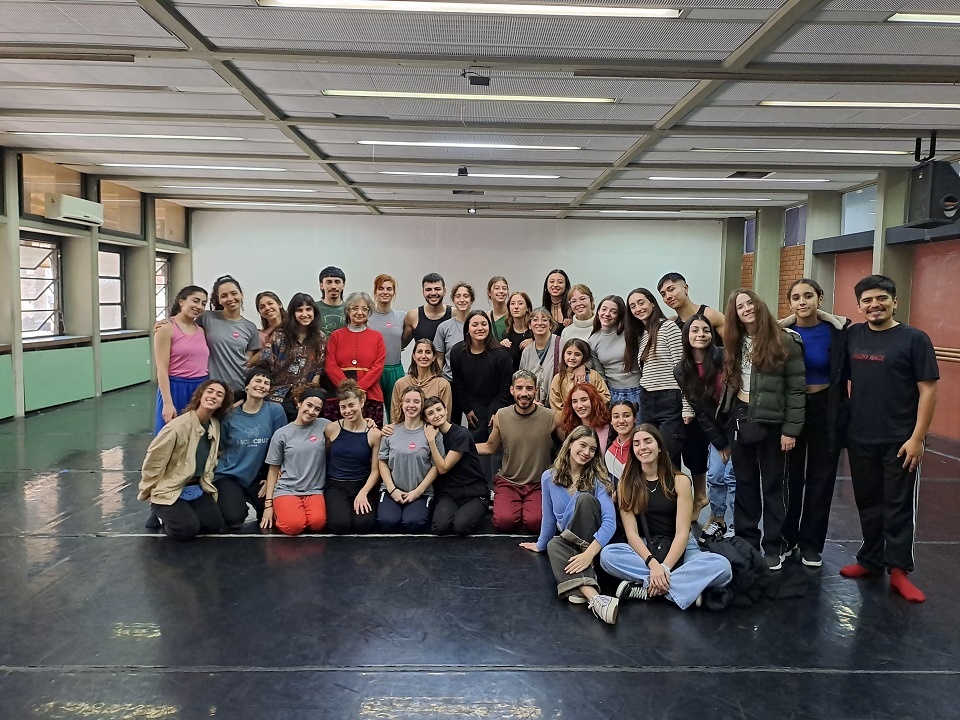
656, 484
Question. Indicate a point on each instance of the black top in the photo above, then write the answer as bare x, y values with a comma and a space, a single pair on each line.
426, 328
515, 339
661, 513
885, 367
481, 383
466, 477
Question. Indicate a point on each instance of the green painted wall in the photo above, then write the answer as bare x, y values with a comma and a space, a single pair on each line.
55, 377
7, 405
124, 363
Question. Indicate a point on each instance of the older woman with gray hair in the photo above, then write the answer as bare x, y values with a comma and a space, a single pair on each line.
357, 352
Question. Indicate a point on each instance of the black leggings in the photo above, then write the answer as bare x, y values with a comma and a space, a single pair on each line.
341, 518
186, 519
458, 515
232, 498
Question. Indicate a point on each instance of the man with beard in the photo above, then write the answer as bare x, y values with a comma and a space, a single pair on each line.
424, 321
673, 289
524, 431
893, 393
332, 282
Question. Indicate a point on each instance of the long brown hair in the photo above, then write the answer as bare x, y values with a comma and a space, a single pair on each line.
634, 329
225, 404
633, 495
768, 352
593, 472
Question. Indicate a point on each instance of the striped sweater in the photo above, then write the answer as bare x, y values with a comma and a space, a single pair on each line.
657, 373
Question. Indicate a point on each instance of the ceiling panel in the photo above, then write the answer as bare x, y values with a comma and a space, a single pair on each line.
891, 40
124, 101
109, 23
184, 75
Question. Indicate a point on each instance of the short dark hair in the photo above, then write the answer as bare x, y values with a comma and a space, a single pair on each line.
251, 374
433, 278
670, 277
332, 271
875, 282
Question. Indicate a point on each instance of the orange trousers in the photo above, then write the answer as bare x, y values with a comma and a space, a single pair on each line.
295, 514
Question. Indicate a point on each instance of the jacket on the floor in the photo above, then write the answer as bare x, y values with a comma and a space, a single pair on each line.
778, 397
838, 408
713, 422
172, 458
752, 580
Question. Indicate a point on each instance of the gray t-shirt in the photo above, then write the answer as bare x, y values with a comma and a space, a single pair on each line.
390, 325
606, 349
301, 453
449, 333
407, 454
228, 342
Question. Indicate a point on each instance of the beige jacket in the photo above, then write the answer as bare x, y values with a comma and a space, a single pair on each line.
171, 460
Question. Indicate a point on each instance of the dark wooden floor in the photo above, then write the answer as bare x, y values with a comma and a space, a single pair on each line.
101, 619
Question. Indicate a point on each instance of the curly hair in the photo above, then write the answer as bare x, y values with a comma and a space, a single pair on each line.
599, 415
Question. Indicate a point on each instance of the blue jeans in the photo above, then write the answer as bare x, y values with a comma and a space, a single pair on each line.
631, 394
721, 484
699, 571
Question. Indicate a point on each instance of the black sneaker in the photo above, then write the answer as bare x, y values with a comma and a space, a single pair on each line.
811, 558
153, 522
774, 562
632, 591
713, 530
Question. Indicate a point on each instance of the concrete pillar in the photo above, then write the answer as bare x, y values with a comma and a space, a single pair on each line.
824, 219
10, 328
731, 257
895, 261
766, 260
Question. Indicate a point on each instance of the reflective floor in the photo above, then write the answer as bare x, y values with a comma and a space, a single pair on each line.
101, 619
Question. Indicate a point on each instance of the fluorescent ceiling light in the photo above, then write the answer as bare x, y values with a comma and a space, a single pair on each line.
483, 146
859, 104
474, 8
641, 212
238, 189
680, 197
239, 203
397, 94
924, 18
819, 151
124, 135
472, 175
192, 167
671, 178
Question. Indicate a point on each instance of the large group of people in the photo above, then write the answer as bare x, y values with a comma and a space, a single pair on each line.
604, 427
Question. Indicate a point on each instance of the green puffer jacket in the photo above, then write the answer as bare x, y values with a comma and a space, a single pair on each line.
779, 397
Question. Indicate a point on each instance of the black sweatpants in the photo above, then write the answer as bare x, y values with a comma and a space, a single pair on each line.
664, 410
232, 498
184, 520
341, 518
760, 469
813, 475
458, 512
886, 495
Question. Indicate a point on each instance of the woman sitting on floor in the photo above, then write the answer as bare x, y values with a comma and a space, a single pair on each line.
177, 474
407, 470
298, 470
664, 560
578, 520
461, 487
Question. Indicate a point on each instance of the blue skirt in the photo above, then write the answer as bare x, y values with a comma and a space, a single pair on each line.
181, 390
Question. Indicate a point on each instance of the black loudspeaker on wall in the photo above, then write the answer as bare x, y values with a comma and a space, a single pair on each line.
934, 195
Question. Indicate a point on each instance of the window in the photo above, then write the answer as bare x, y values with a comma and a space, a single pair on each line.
795, 226
110, 272
40, 177
41, 314
171, 222
859, 210
122, 208
749, 236
163, 286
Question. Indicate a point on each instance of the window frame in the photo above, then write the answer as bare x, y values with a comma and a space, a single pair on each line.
167, 264
122, 304
56, 247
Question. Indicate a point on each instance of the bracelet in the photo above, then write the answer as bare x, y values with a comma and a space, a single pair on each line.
647, 559
391, 492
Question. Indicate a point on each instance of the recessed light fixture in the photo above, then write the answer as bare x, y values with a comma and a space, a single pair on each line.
820, 151
860, 104
640, 212
191, 167
691, 197
472, 174
238, 203
238, 189
672, 178
482, 146
924, 18
474, 8
401, 95
133, 136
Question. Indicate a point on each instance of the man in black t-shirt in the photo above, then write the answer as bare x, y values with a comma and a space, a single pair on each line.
893, 393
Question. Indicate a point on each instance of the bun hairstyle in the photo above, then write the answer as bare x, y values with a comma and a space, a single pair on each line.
348, 389
310, 391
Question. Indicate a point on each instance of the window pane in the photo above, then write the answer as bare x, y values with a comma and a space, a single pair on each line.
39, 289
110, 291
38, 322
108, 263
121, 208
171, 222
41, 177
111, 318
859, 210
163, 285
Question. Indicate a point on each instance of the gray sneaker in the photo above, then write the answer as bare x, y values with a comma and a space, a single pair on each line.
605, 608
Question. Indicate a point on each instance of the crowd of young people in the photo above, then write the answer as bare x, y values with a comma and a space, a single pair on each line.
330, 434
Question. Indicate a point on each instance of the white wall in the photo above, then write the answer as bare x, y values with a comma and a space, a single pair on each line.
284, 252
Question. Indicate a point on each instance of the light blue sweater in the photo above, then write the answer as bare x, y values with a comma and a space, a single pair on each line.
558, 506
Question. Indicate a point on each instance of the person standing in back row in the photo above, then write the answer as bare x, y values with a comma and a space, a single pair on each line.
893, 393
424, 321
389, 323
673, 289
332, 282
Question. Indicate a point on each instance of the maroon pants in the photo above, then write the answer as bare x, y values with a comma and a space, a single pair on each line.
516, 507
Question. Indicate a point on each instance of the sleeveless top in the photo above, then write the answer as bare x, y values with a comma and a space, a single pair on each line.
661, 514
427, 328
700, 311
349, 456
189, 354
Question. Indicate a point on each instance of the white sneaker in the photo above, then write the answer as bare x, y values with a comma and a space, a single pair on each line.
605, 608
731, 531
576, 598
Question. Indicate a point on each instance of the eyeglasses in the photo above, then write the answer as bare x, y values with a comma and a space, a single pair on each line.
361, 310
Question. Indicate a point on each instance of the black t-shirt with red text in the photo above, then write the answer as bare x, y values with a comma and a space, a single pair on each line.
885, 367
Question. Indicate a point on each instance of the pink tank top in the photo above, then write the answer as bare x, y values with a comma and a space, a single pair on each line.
189, 354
